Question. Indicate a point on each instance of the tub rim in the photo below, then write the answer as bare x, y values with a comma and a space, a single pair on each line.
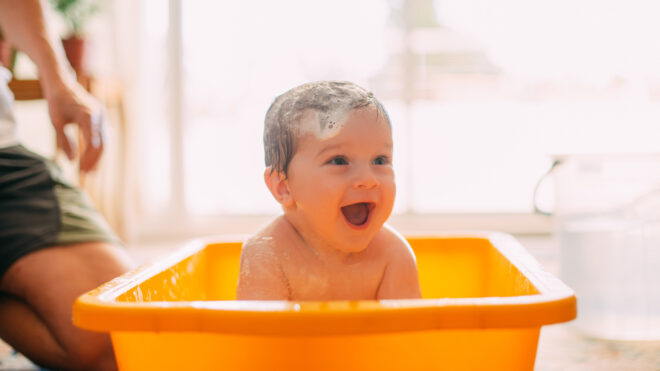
555, 302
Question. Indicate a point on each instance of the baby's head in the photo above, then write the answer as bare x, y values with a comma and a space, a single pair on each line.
328, 151
314, 108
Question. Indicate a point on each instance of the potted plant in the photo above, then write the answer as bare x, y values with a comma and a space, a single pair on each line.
76, 14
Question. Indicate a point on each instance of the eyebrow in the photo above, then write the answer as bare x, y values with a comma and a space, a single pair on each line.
329, 148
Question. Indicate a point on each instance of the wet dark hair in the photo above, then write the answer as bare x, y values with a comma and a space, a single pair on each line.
281, 125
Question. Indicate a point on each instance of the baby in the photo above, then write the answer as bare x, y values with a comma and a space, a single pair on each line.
328, 151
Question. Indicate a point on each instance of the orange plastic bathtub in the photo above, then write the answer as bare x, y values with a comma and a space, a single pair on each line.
485, 300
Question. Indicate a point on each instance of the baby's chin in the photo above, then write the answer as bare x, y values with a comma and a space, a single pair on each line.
352, 248
341, 237
357, 243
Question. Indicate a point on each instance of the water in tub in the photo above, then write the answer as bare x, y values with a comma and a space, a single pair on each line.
613, 263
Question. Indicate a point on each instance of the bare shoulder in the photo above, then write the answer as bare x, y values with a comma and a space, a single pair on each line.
261, 276
400, 279
267, 243
258, 249
394, 245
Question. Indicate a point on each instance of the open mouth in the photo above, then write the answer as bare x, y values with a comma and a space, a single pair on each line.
358, 214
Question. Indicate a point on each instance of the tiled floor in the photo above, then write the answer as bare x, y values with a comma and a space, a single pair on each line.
560, 347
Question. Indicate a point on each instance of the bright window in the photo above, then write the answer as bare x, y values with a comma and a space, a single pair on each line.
479, 92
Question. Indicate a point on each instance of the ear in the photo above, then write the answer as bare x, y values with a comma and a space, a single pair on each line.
278, 185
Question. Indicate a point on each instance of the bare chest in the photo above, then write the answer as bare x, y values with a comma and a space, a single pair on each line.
319, 281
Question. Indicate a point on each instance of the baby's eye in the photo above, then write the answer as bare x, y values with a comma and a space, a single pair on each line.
339, 160
381, 160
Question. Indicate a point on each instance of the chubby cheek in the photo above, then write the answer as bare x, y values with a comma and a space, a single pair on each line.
318, 198
389, 194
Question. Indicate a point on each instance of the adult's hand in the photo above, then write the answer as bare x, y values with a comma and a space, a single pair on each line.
71, 104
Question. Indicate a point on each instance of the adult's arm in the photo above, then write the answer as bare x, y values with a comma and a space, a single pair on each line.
24, 25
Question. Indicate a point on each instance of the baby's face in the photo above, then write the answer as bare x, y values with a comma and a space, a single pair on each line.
341, 180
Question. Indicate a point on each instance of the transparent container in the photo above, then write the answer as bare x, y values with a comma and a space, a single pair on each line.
607, 224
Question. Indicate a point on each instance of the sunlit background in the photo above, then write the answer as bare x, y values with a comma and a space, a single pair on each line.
481, 94
538, 118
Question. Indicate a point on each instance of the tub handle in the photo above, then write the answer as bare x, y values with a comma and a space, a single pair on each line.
542, 180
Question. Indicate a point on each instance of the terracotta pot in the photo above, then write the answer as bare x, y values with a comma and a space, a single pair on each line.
74, 47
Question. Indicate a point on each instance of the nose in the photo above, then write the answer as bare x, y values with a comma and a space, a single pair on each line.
365, 178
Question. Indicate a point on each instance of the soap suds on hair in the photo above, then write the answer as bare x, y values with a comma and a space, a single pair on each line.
320, 108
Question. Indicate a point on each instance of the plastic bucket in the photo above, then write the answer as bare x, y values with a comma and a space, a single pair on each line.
484, 302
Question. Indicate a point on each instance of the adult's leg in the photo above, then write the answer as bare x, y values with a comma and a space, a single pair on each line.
36, 316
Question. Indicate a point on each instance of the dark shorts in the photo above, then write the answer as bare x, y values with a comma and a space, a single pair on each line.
39, 209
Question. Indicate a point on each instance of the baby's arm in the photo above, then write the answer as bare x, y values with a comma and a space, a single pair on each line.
400, 279
261, 276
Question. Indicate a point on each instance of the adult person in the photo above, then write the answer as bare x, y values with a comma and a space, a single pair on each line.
54, 245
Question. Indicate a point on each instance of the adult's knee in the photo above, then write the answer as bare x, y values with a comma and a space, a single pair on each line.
92, 355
